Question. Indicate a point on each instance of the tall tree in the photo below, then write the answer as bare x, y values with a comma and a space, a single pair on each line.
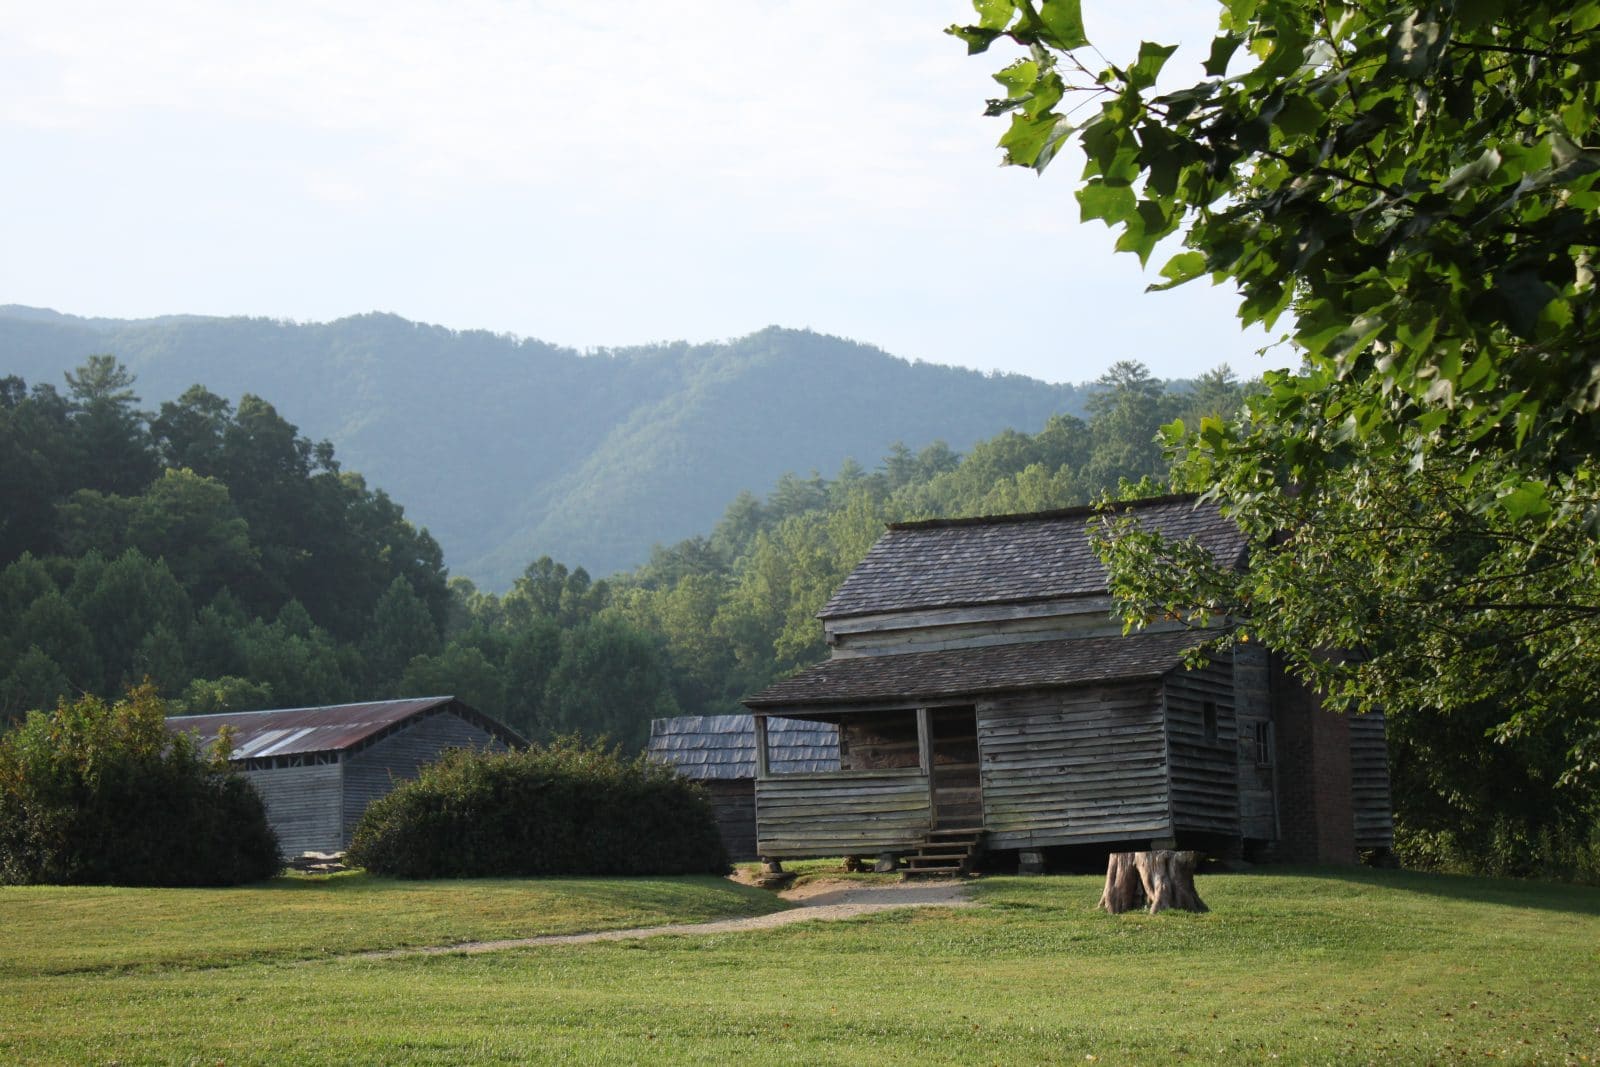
1125, 418
35, 466
401, 630
1419, 184
108, 433
609, 683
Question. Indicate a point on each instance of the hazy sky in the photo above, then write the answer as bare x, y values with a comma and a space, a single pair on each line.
588, 174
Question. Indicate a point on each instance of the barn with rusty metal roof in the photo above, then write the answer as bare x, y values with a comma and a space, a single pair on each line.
318, 768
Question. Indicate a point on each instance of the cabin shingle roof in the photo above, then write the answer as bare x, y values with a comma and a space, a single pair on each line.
1008, 559
917, 676
724, 746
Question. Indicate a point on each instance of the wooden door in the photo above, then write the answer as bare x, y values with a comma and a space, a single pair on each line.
957, 796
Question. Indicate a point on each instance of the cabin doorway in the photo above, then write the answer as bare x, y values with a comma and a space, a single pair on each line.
957, 795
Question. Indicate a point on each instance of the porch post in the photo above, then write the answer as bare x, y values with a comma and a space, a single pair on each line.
761, 747
925, 740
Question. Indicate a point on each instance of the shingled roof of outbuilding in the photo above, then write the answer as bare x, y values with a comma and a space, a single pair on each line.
961, 672
330, 728
724, 746
1010, 558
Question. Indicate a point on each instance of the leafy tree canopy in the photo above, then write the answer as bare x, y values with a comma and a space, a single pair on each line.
1416, 185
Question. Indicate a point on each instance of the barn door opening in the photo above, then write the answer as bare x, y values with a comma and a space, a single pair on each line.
957, 797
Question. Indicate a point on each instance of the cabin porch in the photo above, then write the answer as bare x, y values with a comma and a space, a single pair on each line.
905, 775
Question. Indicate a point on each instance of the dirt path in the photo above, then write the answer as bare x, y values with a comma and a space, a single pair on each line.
815, 902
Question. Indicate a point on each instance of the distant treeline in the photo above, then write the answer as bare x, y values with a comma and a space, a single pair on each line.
215, 550
711, 619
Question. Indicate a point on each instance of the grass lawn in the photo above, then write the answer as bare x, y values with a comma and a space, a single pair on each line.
59, 930
1317, 966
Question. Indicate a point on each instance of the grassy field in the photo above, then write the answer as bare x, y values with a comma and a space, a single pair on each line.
1289, 967
47, 930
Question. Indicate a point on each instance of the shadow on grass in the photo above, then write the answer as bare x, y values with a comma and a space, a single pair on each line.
1509, 892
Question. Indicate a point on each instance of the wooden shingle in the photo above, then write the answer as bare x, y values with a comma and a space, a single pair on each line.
1009, 558
916, 676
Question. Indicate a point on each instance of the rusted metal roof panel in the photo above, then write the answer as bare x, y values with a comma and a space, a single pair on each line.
331, 728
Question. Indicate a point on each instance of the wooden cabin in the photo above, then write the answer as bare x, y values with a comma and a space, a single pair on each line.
719, 752
317, 769
981, 686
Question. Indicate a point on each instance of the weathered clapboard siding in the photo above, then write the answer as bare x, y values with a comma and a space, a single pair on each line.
1369, 782
303, 806
1252, 709
918, 634
373, 771
847, 813
1074, 765
1202, 755
733, 805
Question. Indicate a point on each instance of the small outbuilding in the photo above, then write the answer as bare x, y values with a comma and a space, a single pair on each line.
719, 752
317, 769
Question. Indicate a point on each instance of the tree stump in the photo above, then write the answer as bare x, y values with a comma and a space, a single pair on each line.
1123, 891
1163, 879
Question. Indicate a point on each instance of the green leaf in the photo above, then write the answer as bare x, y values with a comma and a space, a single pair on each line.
1471, 14
1063, 24
1528, 500
1047, 93
1222, 50
1525, 295
1145, 70
1414, 43
994, 14
1019, 78
1034, 142
978, 39
1480, 370
1475, 173
1102, 200
1584, 17
1299, 116
1183, 267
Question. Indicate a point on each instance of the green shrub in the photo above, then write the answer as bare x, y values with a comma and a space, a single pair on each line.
92, 794
565, 808
1503, 849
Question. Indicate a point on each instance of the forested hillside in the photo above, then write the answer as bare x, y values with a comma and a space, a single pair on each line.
507, 449
211, 546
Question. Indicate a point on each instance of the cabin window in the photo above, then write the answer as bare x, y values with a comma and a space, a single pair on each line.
886, 742
1263, 744
1208, 713
880, 742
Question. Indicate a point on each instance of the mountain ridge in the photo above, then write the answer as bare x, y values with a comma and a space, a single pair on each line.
509, 448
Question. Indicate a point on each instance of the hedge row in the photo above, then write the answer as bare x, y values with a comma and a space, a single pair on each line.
565, 808
97, 794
